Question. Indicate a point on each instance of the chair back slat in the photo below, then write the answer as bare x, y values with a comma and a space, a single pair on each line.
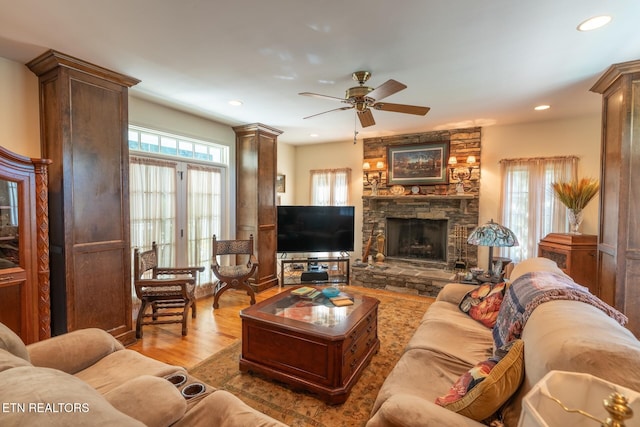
232, 247
145, 261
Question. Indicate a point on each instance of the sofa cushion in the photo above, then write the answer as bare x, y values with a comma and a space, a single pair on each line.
12, 343
121, 366
577, 337
223, 409
433, 358
48, 397
9, 360
412, 410
535, 264
73, 351
153, 400
441, 330
482, 390
483, 303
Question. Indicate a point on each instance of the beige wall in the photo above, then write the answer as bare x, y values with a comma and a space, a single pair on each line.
287, 167
19, 111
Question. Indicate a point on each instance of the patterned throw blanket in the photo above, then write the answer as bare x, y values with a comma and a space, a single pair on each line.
532, 289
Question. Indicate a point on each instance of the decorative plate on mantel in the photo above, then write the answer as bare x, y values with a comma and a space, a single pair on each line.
397, 190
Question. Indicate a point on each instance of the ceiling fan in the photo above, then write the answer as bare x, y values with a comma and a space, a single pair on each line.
364, 98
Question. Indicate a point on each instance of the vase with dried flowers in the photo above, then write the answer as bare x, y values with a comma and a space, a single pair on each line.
576, 195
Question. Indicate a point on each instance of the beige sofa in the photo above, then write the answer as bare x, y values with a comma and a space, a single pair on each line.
559, 335
86, 377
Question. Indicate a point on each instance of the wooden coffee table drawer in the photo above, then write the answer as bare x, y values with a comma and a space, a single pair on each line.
356, 352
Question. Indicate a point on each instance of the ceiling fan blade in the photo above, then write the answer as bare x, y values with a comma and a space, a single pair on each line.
324, 112
366, 118
386, 89
401, 108
317, 95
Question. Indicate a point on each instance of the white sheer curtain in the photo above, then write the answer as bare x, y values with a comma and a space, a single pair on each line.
529, 207
152, 193
12, 188
330, 187
204, 212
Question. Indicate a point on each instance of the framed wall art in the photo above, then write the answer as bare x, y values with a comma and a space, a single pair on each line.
421, 164
280, 183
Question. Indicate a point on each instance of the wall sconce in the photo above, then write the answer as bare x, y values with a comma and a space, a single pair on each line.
366, 166
375, 179
460, 173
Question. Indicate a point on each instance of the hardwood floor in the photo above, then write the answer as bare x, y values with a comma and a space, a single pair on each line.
211, 331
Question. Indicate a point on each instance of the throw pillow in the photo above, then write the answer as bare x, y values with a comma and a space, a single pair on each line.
483, 303
482, 390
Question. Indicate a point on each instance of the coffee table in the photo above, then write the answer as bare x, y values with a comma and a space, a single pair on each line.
310, 345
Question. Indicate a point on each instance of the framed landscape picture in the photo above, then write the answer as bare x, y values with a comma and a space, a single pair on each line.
421, 164
280, 183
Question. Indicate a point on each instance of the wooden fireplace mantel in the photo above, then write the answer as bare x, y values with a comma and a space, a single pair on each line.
421, 198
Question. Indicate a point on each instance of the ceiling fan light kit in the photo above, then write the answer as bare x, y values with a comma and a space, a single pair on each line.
364, 98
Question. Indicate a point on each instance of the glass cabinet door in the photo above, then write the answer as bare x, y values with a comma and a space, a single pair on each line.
9, 231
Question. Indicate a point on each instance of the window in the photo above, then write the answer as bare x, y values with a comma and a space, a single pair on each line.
150, 141
529, 207
176, 196
330, 187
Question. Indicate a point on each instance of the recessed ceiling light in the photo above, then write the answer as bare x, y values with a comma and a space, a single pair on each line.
594, 23
235, 103
314, 135
542, 107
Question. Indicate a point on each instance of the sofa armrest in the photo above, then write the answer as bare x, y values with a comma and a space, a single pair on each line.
74, 351
223, 409
152, 400
408, 410
453, 292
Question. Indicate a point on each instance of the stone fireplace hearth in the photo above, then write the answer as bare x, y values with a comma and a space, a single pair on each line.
422, 231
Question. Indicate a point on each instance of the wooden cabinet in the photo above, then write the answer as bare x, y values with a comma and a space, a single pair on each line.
619, 234
575, 254
24, 247
256, 211
84, 121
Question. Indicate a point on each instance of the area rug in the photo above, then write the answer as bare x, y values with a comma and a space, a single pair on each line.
398, 317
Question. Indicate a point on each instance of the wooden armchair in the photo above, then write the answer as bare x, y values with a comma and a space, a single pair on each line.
233, 276
165, 295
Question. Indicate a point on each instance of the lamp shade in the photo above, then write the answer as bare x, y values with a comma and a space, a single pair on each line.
492, 234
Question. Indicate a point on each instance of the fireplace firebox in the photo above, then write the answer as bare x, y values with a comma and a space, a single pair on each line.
417, 239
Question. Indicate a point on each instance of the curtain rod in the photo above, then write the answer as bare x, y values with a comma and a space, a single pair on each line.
537, 159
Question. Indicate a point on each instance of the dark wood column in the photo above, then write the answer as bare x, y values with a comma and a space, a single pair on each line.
256, 166
619, 237
84, 121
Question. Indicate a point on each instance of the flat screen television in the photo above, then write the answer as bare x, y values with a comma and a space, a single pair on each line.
315, 228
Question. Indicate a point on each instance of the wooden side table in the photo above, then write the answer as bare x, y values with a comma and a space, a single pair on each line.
575, 254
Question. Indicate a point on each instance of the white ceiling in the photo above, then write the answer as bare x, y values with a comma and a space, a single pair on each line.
475, 63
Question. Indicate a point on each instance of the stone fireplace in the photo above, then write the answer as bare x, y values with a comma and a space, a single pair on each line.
423, 230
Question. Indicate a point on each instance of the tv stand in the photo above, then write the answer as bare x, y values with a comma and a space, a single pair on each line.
294, 271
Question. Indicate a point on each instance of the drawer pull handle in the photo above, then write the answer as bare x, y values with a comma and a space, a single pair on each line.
5, 278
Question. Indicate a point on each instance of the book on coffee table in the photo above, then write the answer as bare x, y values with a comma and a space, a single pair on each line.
341, 301
311, 295
303, 291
